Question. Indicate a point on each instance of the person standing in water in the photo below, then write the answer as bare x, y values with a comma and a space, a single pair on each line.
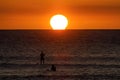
42, 58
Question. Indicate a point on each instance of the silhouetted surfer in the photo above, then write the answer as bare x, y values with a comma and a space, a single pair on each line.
42, 58
53, 68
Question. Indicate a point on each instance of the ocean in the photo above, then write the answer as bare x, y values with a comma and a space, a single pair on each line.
76, 54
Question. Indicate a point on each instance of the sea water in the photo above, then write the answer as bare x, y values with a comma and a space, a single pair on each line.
77, 54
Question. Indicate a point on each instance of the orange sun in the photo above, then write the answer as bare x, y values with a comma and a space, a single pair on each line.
59, 22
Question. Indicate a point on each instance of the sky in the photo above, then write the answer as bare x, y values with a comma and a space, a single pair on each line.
82, 14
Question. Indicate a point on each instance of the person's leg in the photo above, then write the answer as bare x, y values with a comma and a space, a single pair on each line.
43, 61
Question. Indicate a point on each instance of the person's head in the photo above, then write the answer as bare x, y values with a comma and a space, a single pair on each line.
41, 51
53, 65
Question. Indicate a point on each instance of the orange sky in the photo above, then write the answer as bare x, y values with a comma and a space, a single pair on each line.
82, 14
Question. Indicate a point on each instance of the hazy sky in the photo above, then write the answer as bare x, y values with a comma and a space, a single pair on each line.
82, 14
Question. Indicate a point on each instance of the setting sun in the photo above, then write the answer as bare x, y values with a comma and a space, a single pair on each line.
59, 22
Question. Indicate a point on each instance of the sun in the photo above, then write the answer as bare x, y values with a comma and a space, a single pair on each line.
59, 22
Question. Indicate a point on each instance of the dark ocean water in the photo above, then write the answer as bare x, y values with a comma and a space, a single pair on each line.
77, 54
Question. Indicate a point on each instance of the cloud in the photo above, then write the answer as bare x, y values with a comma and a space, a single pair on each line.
46, 6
